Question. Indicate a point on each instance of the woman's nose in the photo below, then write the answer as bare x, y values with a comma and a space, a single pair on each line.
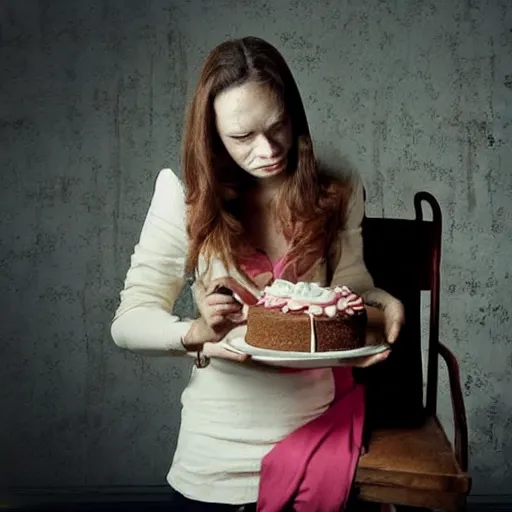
266, 147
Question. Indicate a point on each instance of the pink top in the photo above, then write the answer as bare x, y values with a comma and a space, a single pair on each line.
313, 467
260, 268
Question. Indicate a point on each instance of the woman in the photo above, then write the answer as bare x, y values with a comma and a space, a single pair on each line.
254, 207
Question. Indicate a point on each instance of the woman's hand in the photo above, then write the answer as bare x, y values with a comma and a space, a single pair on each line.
394, 318
218, 308
220, 313
364, 362
225, 299
384, 312
202, 337
383, 308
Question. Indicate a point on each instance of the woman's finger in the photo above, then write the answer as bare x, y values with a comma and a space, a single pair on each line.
215, 350
364, 362
394, 319
215, 320
245, 295
216, 299
393, 331
237, 318
217, 314
225, 309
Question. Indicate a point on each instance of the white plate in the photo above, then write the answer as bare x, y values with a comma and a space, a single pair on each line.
303, 359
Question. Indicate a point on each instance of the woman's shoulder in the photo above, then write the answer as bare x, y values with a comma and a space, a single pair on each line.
169, 184
168, 195
169, 180
349, 180
348, 186
355, 203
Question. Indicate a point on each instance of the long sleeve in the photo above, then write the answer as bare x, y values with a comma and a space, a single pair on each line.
144, 321
346, 258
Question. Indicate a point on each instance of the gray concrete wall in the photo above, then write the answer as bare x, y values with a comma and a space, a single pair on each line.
416, 94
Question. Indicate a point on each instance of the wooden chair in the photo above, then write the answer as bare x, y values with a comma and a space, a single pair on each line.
410, 460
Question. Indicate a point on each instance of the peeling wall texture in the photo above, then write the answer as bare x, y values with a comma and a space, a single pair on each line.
416, 94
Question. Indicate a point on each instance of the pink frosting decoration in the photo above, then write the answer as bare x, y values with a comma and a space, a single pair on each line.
311, 298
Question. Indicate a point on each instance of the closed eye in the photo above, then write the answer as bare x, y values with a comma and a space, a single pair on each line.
278, 125
246, 136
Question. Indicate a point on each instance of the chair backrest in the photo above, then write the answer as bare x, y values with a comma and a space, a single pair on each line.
403, 257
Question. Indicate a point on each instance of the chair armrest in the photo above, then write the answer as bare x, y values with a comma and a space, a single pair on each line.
459, 410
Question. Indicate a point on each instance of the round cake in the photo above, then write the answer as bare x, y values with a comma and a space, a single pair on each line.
305, 317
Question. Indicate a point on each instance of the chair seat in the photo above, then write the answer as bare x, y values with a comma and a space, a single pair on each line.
416, 458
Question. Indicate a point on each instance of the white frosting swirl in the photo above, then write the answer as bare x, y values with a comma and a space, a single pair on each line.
280, 288
311, 298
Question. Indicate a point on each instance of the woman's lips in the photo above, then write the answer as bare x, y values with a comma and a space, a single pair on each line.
272, 167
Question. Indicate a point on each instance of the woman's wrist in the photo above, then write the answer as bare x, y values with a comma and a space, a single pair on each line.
192, 345
190, 340
376, 298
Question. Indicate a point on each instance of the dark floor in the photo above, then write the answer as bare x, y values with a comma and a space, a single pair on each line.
161, 506
143, 507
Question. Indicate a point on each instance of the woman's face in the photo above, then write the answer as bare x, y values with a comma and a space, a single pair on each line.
254, 128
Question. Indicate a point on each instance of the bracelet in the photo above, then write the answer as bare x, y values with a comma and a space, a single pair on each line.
191, 347
201, 360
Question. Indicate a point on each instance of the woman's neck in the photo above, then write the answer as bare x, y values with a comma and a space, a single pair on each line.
264, 191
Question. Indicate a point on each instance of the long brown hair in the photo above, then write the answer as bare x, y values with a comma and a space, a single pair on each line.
309, 209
